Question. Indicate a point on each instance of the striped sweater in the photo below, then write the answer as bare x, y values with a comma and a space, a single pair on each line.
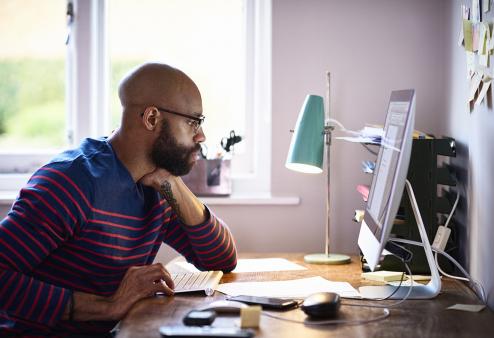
78, 225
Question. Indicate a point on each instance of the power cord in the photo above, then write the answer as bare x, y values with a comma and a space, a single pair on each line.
475, 285
384, 315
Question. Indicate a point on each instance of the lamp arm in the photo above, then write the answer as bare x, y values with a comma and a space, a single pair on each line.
328, 129
335, 123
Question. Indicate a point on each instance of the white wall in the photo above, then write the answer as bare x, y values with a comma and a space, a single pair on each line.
473, 130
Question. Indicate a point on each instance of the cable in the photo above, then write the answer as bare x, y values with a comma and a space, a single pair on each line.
395, 290
384, 315
453, 209
342, 127
458, 265
369, 149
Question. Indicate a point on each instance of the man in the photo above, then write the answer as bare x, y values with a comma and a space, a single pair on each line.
77, 247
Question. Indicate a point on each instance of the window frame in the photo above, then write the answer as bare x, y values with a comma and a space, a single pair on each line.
87, 94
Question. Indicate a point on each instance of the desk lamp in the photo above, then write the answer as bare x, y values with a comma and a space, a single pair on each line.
306, 155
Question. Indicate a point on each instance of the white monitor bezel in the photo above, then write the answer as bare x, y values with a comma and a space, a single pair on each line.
372, 237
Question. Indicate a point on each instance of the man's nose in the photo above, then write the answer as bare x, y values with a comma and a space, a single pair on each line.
199, 136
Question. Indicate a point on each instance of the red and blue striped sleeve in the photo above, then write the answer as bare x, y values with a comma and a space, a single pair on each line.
47, 212
209, 245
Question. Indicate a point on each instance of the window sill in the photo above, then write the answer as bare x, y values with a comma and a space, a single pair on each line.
264, 199
8, 197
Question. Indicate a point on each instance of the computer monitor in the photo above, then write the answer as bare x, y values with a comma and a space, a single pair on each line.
387, 188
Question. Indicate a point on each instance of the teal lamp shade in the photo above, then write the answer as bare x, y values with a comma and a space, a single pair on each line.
306, 151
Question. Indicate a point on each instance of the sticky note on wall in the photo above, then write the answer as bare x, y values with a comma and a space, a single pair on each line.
467, 35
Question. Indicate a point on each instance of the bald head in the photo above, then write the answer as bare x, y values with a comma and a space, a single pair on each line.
157, 84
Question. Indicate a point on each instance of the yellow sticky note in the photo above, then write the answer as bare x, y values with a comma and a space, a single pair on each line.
250, 316
467, 35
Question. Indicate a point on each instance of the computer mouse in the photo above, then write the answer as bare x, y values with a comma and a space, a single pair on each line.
322, 305
224, 306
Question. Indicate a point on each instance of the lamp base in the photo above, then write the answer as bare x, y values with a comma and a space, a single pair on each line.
332, 259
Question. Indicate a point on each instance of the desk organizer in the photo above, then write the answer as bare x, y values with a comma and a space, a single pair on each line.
210, 178
425, 177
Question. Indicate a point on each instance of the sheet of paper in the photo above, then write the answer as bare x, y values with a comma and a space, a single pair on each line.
483, 92
467, 307
296, 288
361, 139
243, 265
266, 264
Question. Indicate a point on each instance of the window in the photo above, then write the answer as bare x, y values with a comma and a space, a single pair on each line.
223, 45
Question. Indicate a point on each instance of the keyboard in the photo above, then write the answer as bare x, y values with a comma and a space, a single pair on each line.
206, 281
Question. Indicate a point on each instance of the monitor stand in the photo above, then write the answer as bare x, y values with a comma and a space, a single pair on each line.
419, 291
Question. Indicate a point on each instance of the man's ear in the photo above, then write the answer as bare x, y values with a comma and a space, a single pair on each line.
150, 118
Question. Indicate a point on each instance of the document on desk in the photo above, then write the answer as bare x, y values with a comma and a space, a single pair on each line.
295, 288
244, 265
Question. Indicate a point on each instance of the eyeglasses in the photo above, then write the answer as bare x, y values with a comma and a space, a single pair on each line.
194, 121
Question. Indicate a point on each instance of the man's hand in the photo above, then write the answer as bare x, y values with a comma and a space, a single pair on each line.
156, 178
185, 204
139, 282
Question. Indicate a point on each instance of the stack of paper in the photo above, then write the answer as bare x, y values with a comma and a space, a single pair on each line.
296, 288
384, 276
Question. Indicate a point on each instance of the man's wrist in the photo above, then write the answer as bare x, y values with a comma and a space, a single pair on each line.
83, 307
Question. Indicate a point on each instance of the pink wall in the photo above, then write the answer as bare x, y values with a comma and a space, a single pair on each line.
371, 48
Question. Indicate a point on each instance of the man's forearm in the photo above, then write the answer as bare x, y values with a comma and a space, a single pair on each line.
139, 282
87, 307
185, 204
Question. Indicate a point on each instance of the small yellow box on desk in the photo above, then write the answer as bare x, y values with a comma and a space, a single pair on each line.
384, 276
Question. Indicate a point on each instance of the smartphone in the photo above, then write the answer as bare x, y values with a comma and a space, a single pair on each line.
266, 302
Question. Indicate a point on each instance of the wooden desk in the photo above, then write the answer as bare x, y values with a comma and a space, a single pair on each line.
414, 318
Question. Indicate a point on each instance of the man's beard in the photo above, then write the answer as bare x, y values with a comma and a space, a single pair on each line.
171, 156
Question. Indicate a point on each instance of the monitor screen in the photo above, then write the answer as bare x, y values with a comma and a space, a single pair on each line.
389, 176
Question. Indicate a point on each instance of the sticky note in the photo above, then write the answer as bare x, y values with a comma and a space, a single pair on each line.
486, 4
384, 276
470, 64
474, 85
467, 35
483, 92
250, 316
483, 30
467, 307
476, 36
